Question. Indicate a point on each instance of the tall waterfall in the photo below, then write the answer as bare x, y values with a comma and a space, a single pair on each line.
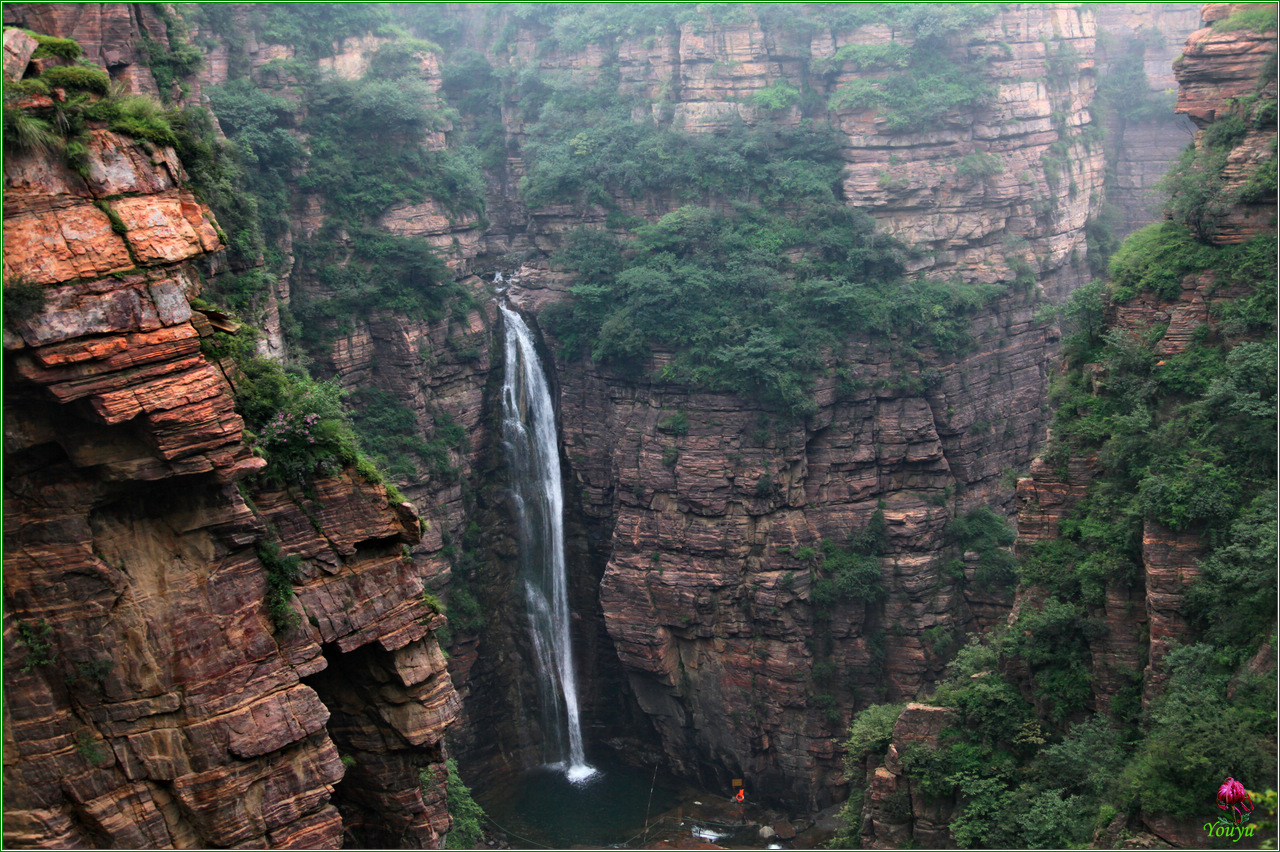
529, 437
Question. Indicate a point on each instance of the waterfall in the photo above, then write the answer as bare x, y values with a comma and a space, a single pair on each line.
529, 437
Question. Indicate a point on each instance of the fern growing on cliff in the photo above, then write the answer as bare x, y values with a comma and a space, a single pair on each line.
467, 831
26, 132
282, 573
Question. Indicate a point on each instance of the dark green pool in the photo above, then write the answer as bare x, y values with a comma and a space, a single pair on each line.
542, 807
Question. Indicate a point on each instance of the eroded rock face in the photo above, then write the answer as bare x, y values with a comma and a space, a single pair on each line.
149, 701
1145, 621
703, 596
1219, 74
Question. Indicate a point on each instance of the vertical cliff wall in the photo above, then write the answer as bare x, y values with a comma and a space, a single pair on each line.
149, 699
1143, 134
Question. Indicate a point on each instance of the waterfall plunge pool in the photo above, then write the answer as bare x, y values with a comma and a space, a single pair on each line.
543, 806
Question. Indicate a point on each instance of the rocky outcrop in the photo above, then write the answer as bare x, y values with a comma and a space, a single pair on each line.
896, 812
703, 596
1145, 620
149, 700
1224, 73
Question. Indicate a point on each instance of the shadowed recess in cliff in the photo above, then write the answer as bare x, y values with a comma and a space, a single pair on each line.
533, 452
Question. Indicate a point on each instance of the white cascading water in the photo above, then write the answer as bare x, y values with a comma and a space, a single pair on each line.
529, 436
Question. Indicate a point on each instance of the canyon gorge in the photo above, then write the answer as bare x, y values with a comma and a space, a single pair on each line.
848, 435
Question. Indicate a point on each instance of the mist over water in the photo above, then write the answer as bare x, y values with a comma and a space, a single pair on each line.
532, 449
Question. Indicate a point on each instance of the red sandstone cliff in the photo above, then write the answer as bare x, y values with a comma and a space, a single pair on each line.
1222, 73
148, 700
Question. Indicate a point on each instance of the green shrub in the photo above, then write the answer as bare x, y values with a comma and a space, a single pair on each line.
870, 733
1156, 259
465, 613
1086, 761
978, 166
1199, 735
779, 96
26, 132
1233, 602
302, 429
222, 181
988, 533
40, 651
174, 59
282, 573
1054, 642
852, 572
676, 424
89, 747
742, 315
467, 831
23, 300
77, 78
921, 96
1259, 18
139, 116
1198, 196
50, 46
389, 434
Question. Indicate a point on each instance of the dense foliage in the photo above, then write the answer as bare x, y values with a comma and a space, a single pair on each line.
722, 290
989, 535
467, 831
302, 429
925, 81
388, 432
1199, 194
361, 146
1183, 442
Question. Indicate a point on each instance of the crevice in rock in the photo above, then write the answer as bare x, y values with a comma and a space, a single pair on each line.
391, 793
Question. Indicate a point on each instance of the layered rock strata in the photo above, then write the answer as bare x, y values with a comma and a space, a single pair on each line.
111, 34
1141, 147
1223, 73
896, 812
148, 700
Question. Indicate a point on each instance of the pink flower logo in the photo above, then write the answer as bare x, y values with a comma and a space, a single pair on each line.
1233, 797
